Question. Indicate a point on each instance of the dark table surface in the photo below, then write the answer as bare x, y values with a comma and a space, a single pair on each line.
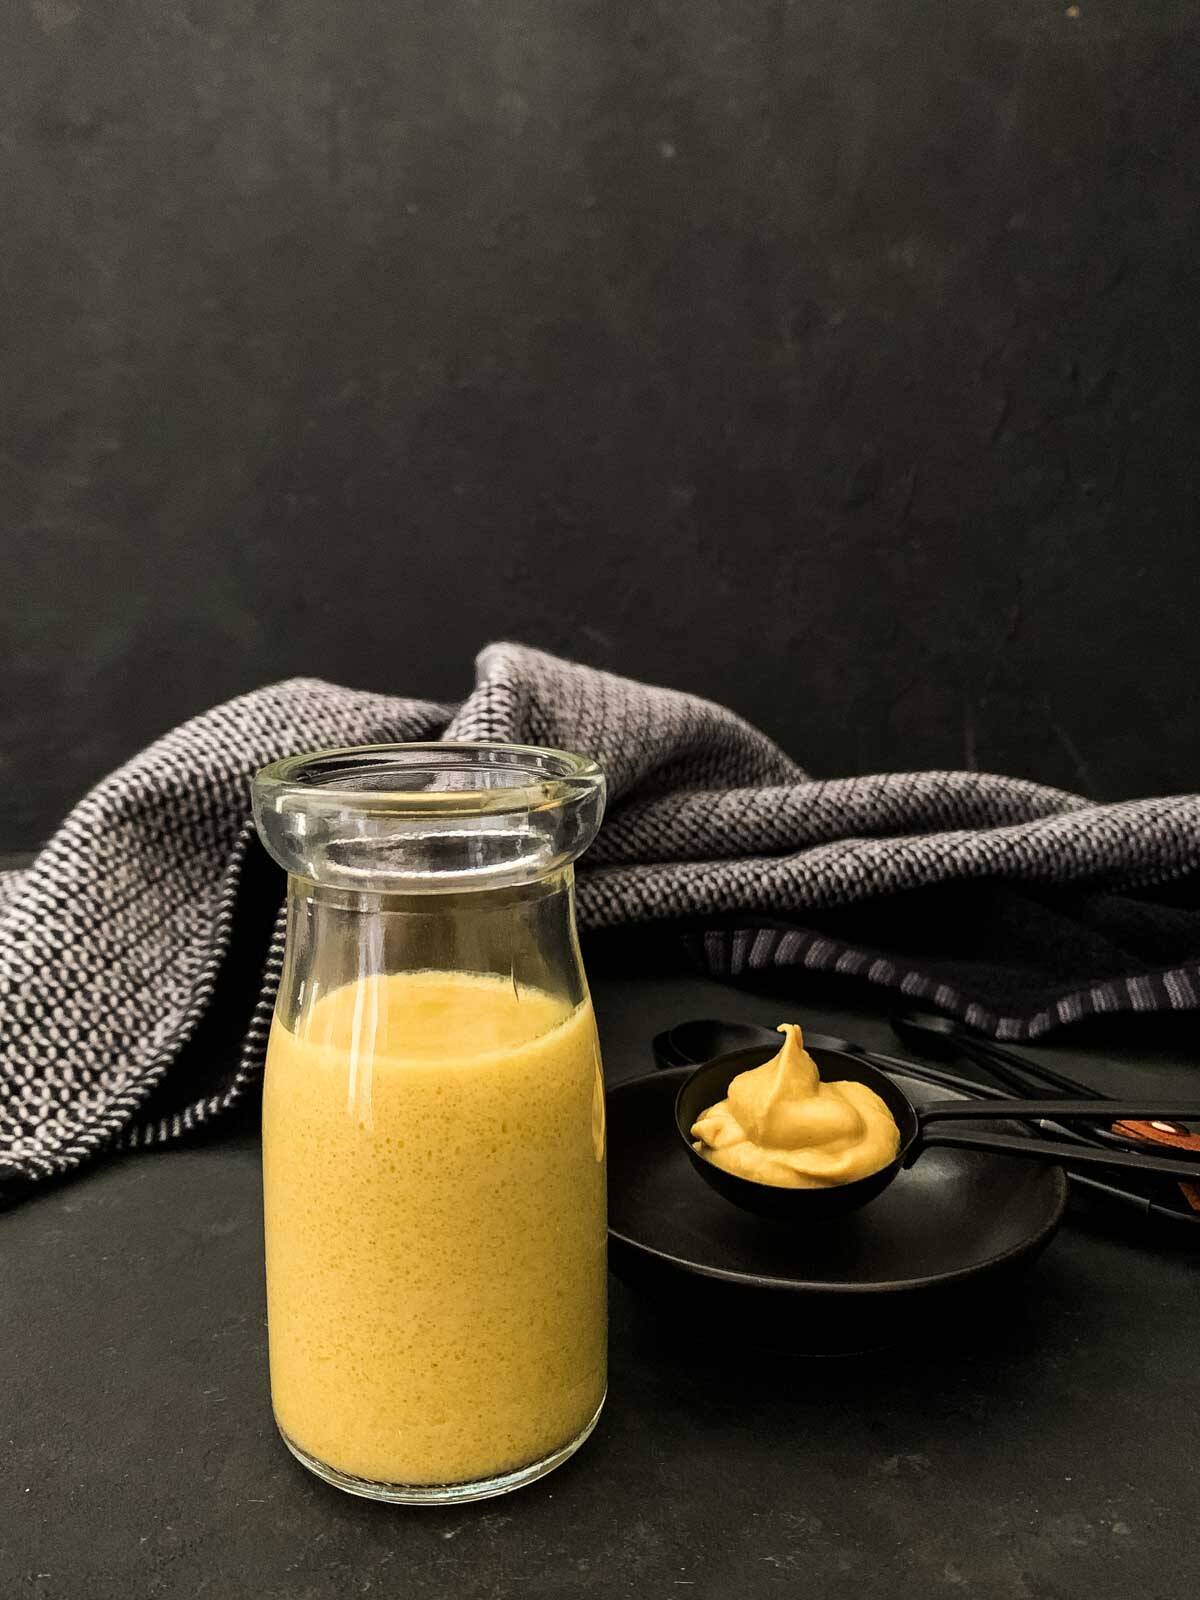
1045, 1451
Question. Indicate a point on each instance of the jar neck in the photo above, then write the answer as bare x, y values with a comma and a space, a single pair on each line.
524, 934
447, 903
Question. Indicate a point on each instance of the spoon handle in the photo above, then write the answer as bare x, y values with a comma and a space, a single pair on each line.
1064, 1110
1066, 1155
937, 1034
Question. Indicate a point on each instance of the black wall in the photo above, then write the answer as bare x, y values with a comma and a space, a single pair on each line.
835, 358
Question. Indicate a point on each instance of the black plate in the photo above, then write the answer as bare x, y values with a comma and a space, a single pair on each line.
954, 1226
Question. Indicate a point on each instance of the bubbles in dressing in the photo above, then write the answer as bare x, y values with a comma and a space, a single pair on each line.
433, 1149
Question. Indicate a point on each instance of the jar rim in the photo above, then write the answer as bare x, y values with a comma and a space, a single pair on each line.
545, 777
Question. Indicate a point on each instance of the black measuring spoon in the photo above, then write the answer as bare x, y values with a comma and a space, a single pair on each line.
938, 1036
710, 1083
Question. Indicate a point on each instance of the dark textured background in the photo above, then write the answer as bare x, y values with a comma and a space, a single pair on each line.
832, 358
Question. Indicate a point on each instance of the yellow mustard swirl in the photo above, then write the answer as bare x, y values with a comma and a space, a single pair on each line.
781, 1125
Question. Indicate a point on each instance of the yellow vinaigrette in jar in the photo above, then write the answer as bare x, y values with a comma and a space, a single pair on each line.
434, 1189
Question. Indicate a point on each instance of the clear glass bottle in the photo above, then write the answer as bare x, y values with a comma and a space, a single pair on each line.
433, 1119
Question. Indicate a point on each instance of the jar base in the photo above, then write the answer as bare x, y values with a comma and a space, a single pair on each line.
444, 1494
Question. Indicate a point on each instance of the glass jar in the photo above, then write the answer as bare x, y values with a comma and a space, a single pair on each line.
433, 1119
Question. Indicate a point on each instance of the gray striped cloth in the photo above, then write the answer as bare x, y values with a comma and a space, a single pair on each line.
140, 952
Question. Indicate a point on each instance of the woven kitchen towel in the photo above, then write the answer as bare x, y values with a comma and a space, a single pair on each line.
139, 953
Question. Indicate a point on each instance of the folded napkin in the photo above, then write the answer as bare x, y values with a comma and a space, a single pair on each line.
139, 954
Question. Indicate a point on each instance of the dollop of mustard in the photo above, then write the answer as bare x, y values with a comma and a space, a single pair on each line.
781, 1125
